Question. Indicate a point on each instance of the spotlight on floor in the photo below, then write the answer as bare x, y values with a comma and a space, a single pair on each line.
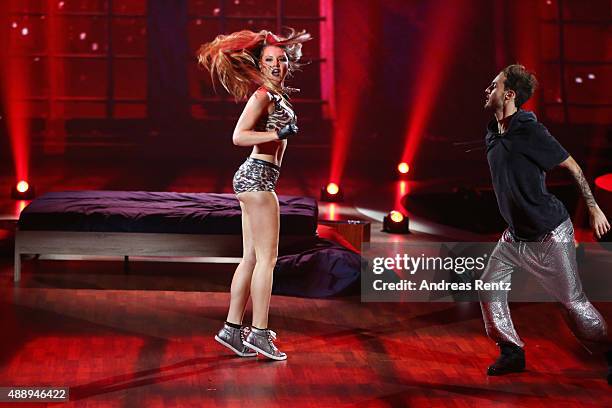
23, 191
403, 168
396, 223
332, 193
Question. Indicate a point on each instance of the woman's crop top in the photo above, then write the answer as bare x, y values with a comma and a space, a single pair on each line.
282, 115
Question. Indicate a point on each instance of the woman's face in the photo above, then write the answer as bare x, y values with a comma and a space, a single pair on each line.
274, 63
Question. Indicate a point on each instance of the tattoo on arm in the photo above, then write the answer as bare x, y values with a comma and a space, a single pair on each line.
583, 185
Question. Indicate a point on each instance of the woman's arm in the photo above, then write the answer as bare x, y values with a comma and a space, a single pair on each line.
598, 220
244, 135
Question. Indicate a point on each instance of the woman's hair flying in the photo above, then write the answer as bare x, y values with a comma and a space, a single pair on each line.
234, 59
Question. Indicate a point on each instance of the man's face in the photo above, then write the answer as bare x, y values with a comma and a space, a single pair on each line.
494, 94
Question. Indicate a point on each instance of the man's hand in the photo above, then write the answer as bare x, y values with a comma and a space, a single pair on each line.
598, 221
597, 218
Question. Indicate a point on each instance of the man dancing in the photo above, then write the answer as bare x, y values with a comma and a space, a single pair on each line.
520, 151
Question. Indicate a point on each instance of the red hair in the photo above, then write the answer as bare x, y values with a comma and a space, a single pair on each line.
233, 59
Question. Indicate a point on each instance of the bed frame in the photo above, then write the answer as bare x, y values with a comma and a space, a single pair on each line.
128, 244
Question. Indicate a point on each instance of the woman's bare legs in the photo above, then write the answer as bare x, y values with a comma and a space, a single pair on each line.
241, 282
264, 222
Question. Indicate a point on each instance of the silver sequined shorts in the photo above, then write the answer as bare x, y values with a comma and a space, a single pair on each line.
256, 175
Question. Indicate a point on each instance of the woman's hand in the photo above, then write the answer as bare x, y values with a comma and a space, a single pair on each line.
288, 130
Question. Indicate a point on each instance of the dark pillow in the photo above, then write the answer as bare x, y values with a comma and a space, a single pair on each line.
323, 270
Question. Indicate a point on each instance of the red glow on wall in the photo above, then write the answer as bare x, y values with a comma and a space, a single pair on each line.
447, 18
14, 76
352, 76
526, 49
326, 32
55, 134
15, 91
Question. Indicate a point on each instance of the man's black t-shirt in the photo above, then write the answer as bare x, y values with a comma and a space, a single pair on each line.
518, 160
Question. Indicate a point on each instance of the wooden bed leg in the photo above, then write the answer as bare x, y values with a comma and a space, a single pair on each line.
17, 266
126, 264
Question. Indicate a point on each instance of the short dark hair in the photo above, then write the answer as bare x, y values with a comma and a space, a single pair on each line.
521, 81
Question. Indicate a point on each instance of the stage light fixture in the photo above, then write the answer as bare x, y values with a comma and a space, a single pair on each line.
403, 168
22, 186
396, 223
331, 193
23, 191
396, 216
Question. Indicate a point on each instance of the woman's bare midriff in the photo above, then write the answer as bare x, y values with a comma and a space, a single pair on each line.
271, 151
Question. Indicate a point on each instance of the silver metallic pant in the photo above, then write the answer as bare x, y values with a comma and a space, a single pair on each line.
553, 262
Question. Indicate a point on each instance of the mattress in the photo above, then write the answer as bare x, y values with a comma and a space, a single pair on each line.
157, 212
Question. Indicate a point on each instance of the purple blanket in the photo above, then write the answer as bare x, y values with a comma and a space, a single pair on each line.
156, 212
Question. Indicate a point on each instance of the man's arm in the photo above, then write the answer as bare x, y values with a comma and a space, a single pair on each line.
583, 185
598, 220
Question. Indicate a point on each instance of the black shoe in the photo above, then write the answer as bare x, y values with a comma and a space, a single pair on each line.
609, 360
511, 360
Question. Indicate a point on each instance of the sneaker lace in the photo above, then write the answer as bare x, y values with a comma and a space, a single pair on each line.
271, 338
244, 332
271, 334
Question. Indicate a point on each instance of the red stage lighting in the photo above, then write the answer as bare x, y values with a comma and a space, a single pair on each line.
22, 186
604, 182
16, 79
19, 206
401, 190
353, 66
328, 211
23, 191
396, 216
403, 168
332, 188
395, 222
450, 19
331, 193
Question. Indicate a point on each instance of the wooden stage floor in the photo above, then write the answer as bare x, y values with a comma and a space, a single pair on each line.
140, 340
145, 339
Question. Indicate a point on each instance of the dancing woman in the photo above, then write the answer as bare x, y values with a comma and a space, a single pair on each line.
255, 65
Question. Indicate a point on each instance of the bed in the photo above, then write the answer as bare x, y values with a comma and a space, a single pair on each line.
140, 223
